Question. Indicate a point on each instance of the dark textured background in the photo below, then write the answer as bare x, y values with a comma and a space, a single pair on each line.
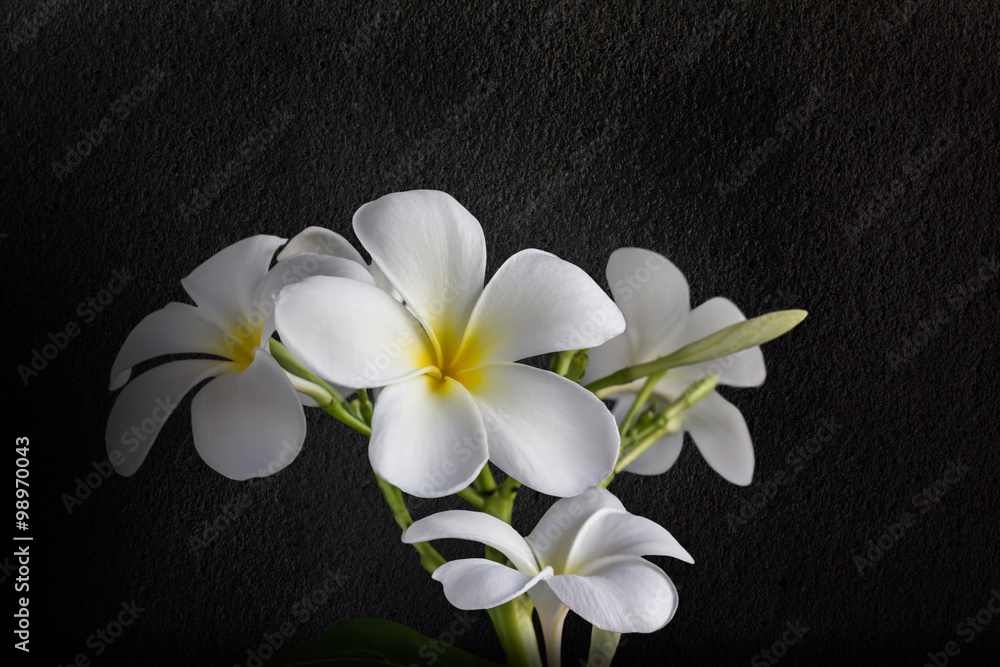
836, 157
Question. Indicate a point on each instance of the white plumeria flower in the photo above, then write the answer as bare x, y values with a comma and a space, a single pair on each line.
584, 555
653, 295
248, 422
452, 397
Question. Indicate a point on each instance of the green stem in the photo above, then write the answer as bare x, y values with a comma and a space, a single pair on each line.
512, 620
578, 365
365, 405
509, 487
343, 412
484, 482
639, 404
335, 405
666, 422
430, 559
514, 628
473, 497
561, 362
730, 340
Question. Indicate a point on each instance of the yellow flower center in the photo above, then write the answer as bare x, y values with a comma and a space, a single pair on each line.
241, 341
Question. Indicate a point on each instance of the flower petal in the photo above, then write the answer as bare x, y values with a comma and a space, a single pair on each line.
547, 432
538, 303
427, 436
249, 424
478, 527
652, 294
174, 329
608, 358
351, 333
620, 594
553, 536
609, 532
743, 369
721, 435
382, 282
433, 252
295, 270
320, 241
477, 583
144, 405
225, 284
661, 455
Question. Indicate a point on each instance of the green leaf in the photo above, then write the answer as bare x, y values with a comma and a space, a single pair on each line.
375, 641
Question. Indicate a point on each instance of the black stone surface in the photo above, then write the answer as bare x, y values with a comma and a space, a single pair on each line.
838, 157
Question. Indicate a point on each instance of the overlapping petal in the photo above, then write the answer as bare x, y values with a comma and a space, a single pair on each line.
296, 269
176, 328
248, 424
545, 431
537, 303
225, 284
351, 333
619, 593
433, 252
320, 241
144, 405
609, 532
427, 436
477, 583
479, 527
554, 534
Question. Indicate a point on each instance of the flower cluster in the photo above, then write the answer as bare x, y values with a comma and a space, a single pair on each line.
441, 347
